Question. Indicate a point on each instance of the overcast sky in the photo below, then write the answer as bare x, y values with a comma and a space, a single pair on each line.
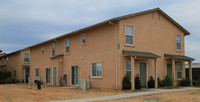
28, 22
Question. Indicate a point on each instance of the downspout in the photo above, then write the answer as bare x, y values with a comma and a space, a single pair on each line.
116, 53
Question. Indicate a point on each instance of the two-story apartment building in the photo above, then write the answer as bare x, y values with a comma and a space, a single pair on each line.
148, 43
18, 63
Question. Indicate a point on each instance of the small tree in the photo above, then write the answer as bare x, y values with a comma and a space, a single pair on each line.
137, 82
126, 83
151, 83
167, 81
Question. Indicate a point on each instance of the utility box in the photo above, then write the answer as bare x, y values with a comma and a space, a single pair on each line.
83, 84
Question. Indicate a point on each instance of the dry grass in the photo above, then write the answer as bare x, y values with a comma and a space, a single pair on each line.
21, 93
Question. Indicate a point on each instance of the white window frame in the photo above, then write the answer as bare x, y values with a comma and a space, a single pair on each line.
83, 39
67, 45
129, 35
179, 71
26, 57
53, 46
96, 70
180, 42
36, 72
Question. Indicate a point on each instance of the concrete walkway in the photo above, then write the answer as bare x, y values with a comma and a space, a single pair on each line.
135, 94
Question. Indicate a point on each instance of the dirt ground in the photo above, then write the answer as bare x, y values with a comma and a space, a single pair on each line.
21, 93
183, 96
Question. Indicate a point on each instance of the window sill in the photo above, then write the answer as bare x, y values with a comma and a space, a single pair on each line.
93, 77
179, 79
83, 44
67, 53
178, 50
130, 45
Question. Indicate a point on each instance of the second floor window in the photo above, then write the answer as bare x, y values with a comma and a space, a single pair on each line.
7, 60
83, 39
53, 49
178, 42
26, 57
67, 46
42, 50
2, 60
129, 35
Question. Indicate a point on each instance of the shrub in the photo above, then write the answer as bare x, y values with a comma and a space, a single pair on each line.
8, 81
151, 83
195, 83
137, 82
185, 82
159, 82
126, 83
16, 81
167, 81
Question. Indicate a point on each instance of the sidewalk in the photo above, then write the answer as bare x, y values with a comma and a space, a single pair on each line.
152, 91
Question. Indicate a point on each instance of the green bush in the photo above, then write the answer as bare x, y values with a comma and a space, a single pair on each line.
126, 83
137, 82
16, 81
185, 82
195, 83
8, 81
159, 82
167, 81
151, 83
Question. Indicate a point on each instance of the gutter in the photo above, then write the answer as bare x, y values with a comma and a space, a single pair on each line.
116, 53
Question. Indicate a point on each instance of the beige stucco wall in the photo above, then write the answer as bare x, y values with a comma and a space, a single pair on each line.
150, 35
99, 47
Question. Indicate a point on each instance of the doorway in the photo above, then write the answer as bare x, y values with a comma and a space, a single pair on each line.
54, 76
143, 73
74, 75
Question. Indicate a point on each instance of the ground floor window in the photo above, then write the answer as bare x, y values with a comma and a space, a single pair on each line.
15, 74
128, 69
96, 69
37, 72
179, 71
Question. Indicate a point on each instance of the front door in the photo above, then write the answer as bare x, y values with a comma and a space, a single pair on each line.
143, 73
54, 76
48, 78
26, 75
74, 75
169, 69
